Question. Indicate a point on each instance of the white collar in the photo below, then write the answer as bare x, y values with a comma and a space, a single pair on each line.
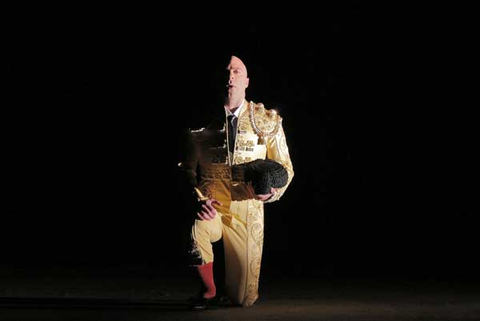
237, 111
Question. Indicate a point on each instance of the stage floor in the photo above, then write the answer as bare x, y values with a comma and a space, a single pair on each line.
142, 294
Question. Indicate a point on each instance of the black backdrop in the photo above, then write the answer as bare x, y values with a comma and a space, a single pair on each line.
97, 108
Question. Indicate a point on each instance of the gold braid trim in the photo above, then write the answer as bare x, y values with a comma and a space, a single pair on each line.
264, 123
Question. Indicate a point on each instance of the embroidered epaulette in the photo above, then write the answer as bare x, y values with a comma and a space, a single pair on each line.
265, 122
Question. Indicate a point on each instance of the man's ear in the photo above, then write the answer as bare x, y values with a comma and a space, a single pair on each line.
247, 82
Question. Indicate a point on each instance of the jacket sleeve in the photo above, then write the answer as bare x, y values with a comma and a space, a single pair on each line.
277, 150
188, 169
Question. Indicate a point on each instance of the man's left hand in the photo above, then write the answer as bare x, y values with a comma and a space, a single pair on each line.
261, 197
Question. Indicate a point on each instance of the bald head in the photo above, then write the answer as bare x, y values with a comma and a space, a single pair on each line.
237, 83
237, 63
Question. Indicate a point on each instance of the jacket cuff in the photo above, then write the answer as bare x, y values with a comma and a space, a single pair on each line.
200, 196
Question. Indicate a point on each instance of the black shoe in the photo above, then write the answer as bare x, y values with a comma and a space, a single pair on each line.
199, 303
225, 301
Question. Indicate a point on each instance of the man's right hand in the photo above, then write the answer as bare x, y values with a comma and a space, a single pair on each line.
206, 210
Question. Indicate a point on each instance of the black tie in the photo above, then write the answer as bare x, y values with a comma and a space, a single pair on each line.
232, 131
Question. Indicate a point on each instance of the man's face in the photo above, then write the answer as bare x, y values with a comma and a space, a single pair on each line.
237, 80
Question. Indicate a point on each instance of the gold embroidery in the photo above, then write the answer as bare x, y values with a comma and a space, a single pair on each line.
238, 160
255, 231
241, 143
194, 254
264, 123
216, 173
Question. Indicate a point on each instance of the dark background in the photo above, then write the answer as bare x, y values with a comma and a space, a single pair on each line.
97, 105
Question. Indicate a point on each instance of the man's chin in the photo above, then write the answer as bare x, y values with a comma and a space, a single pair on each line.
228, 95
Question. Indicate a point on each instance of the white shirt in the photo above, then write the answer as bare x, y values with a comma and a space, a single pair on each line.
237, 111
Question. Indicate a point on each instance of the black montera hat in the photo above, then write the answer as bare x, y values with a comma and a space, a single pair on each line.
265, 174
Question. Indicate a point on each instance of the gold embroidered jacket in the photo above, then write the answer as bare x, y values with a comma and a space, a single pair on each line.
209, 163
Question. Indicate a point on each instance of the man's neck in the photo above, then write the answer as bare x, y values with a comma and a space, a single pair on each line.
232, 105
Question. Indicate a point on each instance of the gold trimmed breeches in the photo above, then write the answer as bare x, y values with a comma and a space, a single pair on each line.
241, 227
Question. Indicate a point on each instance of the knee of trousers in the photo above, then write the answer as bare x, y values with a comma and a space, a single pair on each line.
203, 234
207, 231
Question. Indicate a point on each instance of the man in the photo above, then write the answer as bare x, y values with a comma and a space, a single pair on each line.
228, 207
